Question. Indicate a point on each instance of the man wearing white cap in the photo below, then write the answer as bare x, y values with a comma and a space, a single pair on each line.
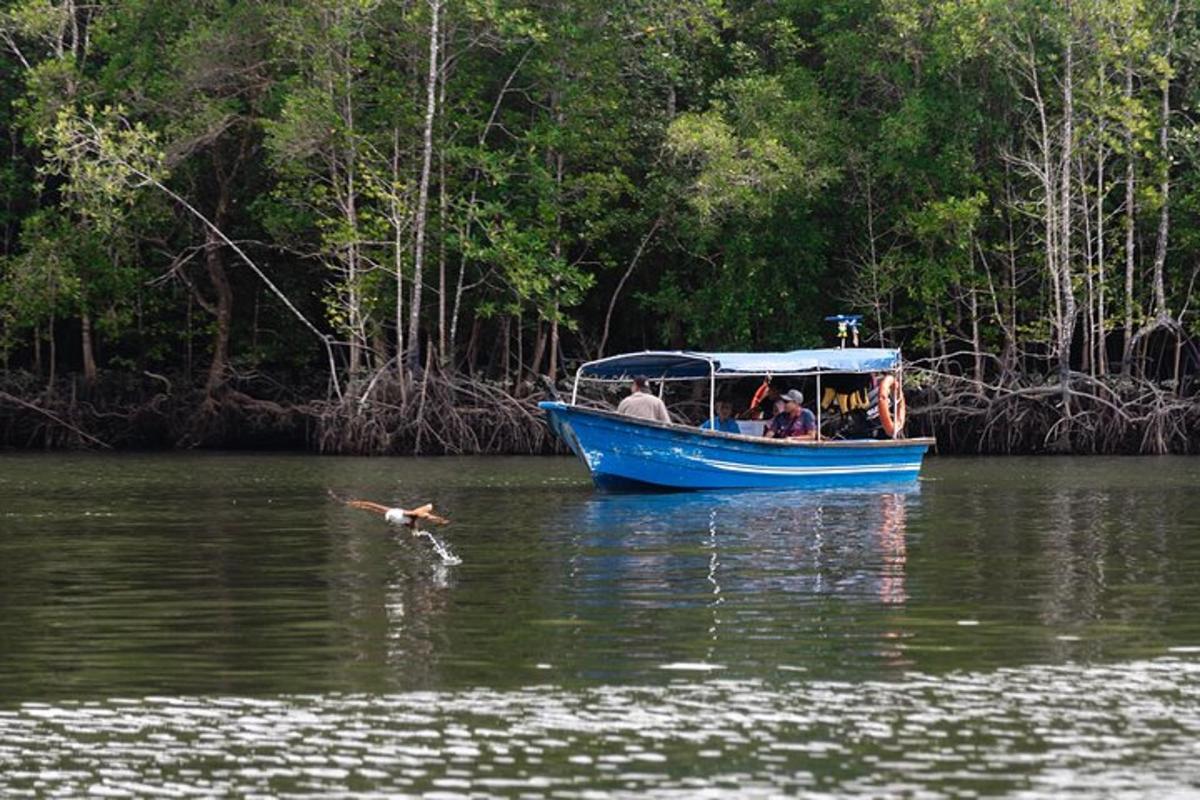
795, 421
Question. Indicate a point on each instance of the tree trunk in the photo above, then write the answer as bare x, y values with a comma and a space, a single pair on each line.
473, 346
539, 349
1014, 343
1178, 363
379, 346
519, 369
1127, 347
452, 335
612, 302
1087, 330
506, 337
398, 253
413, 356
1164, 188
445, 357
1050, 217
219, 278
1068, 291
460, 287
52, 357
89, 354
343, 164
354, 314
876, 300
976, 343
552, 367
1100, 335
187, 347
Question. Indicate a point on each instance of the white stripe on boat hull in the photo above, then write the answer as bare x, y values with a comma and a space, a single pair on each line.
851, 469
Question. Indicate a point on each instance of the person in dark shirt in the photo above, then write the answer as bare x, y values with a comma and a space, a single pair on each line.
762, 406
795, 421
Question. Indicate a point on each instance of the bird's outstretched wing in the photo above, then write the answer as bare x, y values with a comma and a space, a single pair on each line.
425, 512
367, 505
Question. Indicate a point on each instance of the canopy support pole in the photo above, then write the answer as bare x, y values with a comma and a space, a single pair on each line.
575, 388
712, 396
818, 406
896, 401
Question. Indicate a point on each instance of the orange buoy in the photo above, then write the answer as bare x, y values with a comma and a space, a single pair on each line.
759, 395
887, 388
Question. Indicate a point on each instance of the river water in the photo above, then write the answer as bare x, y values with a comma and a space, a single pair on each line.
217, 625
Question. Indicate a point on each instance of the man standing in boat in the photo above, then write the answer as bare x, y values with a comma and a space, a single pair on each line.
641, 403
795, 421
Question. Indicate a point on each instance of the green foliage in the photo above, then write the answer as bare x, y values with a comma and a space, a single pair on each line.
104, 160
764, 138
731, 173
42, 281
549, 285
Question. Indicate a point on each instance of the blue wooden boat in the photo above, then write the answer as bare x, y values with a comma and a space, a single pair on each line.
624, 452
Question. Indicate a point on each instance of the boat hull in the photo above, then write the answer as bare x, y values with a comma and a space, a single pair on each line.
624, 452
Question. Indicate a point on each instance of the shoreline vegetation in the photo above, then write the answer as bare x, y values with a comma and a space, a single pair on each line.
374, 227
445, 413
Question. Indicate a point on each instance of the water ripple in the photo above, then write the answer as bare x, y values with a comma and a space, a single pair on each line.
1130, 729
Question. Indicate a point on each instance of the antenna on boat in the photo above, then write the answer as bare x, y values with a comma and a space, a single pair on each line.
847, 325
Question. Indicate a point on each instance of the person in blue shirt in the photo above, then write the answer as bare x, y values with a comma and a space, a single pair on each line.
725, 421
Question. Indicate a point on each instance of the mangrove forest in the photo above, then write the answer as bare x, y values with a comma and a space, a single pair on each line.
392, 226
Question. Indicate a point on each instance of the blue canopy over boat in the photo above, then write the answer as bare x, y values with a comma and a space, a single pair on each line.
690, 364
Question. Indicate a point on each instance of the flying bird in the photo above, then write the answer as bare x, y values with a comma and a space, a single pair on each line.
408, 517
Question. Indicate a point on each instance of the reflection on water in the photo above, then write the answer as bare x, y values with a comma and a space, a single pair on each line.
215, 625
808, 544
892, 549
237, 574
1035, 731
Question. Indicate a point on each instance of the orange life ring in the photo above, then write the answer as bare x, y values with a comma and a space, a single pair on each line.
759, 395
887, 387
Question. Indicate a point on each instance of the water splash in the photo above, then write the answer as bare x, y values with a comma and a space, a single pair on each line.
440, 547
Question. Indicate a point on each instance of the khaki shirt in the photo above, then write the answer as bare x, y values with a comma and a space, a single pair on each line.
645, 406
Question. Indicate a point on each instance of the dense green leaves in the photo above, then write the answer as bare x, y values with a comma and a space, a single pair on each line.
982, 175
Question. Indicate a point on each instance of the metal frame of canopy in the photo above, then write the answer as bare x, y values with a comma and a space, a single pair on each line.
643, 363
